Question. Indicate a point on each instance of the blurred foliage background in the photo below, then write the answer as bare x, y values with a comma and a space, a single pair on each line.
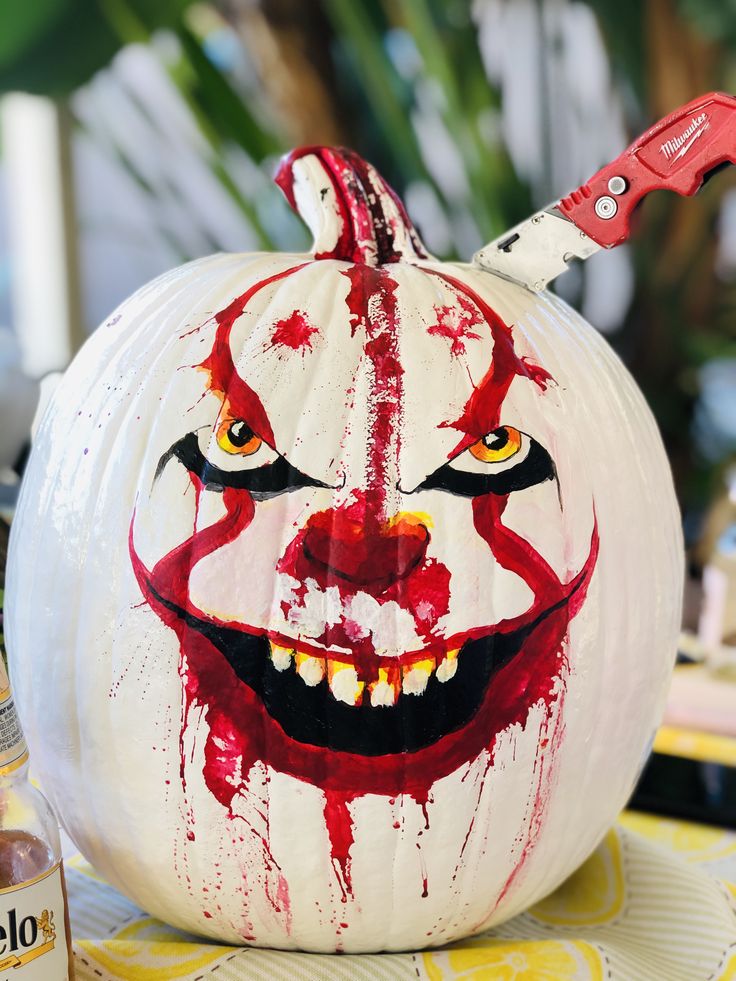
476, 112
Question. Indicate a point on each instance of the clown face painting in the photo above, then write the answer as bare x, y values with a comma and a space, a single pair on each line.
379, 564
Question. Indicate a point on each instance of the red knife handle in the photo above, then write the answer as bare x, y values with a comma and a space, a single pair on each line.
676, 155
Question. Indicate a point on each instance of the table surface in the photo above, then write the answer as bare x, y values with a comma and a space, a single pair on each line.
655, 902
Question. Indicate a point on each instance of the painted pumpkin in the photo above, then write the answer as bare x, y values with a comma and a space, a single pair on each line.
344, 587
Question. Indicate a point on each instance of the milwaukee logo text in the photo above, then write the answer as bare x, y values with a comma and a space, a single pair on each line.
678, 146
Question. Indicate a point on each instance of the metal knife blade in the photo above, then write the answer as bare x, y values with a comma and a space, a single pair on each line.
678, 154
537, 250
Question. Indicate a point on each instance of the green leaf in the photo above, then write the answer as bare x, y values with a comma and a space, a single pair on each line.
382, 87
216, 100
23, 24
51, 47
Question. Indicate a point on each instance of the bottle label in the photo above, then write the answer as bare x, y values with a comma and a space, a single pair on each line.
33, 941
13, 749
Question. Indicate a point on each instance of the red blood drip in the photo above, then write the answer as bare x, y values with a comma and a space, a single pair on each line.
481, 785
539, 805
423, 872
423, 800
293, 331
284, 900
339, 824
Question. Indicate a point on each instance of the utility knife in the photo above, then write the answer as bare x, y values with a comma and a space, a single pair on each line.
678, 154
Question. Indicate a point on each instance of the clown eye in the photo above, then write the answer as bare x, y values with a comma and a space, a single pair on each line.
500, 445
501, 462
236, 437
232, 455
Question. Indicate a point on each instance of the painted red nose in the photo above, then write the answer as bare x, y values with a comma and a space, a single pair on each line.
370, 554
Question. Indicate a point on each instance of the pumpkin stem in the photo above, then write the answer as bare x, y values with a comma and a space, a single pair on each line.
350, 209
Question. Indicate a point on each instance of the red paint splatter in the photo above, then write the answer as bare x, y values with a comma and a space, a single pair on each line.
294, 332
455, 322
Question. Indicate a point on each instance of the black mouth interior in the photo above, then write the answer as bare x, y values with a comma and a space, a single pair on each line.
314, 716
412, 723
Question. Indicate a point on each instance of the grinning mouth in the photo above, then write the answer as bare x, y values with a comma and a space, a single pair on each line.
315, 707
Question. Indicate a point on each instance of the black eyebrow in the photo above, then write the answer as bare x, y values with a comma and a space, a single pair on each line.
536, 467
263, 482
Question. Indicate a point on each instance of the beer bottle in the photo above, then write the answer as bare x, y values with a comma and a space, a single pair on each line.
35, 941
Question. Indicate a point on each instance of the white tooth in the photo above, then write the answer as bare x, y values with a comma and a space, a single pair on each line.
415, 678
447, 668
310, 669
344, 683
281, 657
382, 691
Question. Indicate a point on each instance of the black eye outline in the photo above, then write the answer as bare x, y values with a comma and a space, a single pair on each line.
262, 482
535, 468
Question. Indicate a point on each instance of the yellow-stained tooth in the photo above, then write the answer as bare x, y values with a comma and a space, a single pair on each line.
281, 657
382, 691
310, 669
448, 666
415, 677
344, 682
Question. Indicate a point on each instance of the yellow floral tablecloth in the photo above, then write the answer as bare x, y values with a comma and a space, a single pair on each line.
655, 902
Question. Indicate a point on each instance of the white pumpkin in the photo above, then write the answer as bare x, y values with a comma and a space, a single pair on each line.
344, 588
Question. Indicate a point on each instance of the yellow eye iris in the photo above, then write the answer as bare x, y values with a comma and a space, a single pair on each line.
500, 445
236, 437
